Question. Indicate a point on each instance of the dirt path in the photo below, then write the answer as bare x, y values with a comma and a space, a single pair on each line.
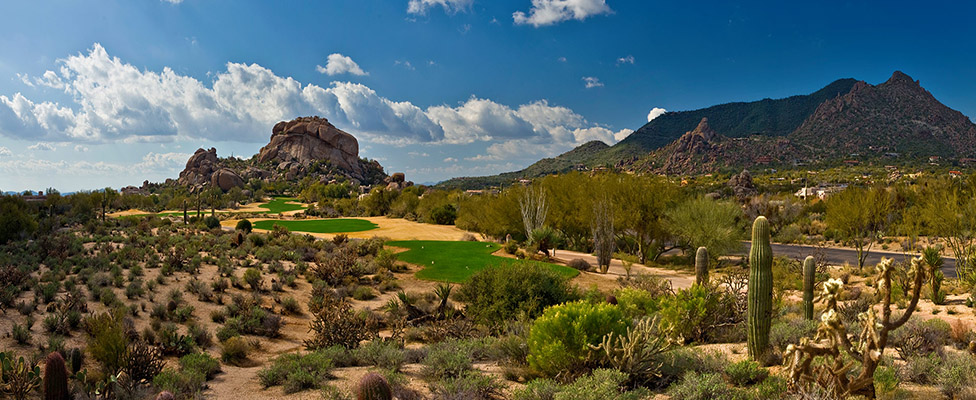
608, 281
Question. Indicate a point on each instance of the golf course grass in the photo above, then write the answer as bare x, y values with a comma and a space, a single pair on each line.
448, 261
281, 204
338, 225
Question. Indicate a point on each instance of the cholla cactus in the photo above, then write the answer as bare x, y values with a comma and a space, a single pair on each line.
638, 352
832, 339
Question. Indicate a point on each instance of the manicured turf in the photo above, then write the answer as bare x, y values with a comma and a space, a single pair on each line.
338, 225
280, 204
456, 261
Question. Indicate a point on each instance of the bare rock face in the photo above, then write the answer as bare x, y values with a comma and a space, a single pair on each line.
226, 179
201, 165
742, 185
309, 139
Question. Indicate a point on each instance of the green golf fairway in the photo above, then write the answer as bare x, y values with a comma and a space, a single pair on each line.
447, 261
338, 225
280, 204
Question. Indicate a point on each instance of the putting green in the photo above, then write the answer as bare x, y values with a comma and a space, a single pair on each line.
281, 204
448, 261
337, 225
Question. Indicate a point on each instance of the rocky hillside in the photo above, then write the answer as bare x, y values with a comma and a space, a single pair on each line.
303, 147
846, 119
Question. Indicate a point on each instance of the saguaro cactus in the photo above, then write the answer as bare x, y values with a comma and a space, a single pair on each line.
809, 269
760, 307
701, 266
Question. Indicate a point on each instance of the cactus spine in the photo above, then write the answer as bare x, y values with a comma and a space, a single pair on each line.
809, 269
760, 307
55, 378
701, 266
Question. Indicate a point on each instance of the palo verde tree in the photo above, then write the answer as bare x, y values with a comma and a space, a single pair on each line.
949, 213
701, 222
860, 216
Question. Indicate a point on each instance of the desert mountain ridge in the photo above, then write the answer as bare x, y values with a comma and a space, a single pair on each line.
848, 120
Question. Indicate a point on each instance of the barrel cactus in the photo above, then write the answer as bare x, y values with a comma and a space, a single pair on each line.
55, 378
373, 386
809, 269
760, 307
701, 266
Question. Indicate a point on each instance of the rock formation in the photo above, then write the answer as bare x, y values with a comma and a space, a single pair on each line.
742, 185
310, 139
203, 168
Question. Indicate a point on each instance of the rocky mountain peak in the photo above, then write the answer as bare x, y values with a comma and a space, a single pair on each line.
899, 77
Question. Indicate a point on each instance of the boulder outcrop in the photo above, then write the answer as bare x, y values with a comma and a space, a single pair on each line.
203, 168
309, 139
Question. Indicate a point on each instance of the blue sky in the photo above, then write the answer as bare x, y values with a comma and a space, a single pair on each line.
111, 93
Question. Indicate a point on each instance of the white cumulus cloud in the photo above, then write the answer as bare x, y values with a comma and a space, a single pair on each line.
420, 7
5, 152
41, 146
592, 82
338, 64
655, 112
549, 12
626, 60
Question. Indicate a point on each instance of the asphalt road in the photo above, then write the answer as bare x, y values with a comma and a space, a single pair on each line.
837, 256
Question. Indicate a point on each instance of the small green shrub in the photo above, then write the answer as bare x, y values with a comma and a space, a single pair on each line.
184, 384
691, 314
290, 306
537, 389
253, 278
501, 293
211, 222
383, 354
297, 372
444, 362
234, 350
601, 384
470, 385
701, 386
745, 372
560, 339
200, 362
885, 381
21, 334
636, 303
244, 226
956, 375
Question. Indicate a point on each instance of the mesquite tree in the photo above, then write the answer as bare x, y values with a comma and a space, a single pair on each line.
834, 346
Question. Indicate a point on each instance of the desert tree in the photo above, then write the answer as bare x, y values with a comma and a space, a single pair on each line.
603, 234
534, 208
860, 216
640, 204
702, 222
949, 213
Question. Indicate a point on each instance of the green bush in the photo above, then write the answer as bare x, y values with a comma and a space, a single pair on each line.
470, 385
786, 332
234, 350
885, 381
537, 389
601, 384
691, 314
701, 386
500, 293
560, 339
383, 354
244, 226
745, 372
297, 372
211, 222
445, 362
956, 375
21, 334
107, 341
677, 362
183, 383
253, 278
636, 303
200, 362
921, 369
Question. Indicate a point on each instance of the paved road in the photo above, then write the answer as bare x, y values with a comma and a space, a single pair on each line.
840, 256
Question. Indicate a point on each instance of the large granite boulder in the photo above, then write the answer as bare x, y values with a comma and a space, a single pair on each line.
226, 179
201, 165
310, 139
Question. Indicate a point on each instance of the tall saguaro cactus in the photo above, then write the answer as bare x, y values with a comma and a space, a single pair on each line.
701, 266
809, 269
760, 307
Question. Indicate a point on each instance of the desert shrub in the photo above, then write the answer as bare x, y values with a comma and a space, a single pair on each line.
383, 354
560, 339
676, 363
789, 331
297, 372
200, 362
601, 384
636, 302
363, 293
335, 323
579, 264
471, 385
885, 381
234, 350
244, 226
211, 222
691, 314
745, 373
537, 389
107, 341
444, 362
290, 306
918, 338
21, 334
921, 369
500, 293
955, 377
701, 386
201, 336
183, 384
253, 278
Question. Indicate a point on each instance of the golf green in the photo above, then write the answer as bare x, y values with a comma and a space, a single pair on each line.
448, 261
281, 204
337, 225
